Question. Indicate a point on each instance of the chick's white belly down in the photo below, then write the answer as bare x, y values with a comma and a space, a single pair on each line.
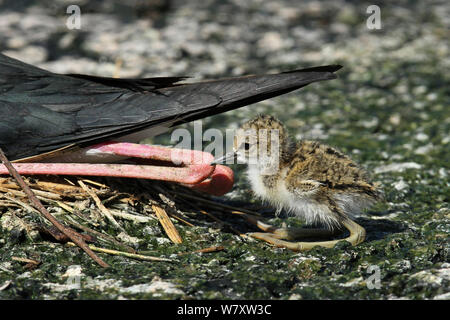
304, 204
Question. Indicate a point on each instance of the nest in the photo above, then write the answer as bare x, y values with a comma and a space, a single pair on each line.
96, 206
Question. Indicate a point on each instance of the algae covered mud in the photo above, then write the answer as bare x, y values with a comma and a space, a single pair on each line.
389, 110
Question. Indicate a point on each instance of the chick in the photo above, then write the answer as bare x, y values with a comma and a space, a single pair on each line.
310, 180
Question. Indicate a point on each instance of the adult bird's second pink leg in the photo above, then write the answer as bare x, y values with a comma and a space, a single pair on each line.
188, 167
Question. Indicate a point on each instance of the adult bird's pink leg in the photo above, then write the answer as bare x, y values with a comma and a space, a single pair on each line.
192, 168
218, 182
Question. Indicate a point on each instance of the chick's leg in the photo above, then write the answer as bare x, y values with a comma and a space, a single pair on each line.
278, 236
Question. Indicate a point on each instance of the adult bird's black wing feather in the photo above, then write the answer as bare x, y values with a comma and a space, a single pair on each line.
44, 111
143, 84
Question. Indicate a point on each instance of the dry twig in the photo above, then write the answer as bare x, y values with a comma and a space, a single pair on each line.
168, 226
25, 260
126, 254
205, 250
74, 236
100, 205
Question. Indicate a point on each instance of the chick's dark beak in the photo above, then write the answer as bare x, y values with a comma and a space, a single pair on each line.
228, 158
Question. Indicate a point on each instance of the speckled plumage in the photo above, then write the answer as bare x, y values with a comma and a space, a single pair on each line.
312, 180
